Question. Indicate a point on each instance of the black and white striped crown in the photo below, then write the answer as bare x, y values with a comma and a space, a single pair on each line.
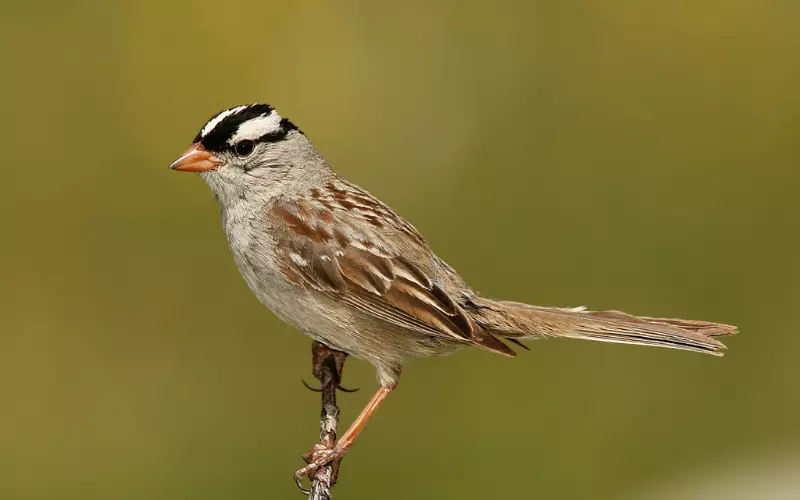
255, 122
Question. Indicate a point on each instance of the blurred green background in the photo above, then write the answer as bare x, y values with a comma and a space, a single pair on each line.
637, 155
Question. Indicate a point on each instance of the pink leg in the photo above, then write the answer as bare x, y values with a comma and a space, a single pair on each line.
320, 455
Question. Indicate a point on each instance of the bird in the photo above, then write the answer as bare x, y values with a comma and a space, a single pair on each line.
342, 267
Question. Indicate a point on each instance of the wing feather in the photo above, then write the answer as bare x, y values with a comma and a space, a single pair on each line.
346, 258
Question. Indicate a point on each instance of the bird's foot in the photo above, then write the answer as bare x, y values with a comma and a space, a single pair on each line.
320, 455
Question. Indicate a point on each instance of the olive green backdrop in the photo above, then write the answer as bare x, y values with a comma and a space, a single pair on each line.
639, 155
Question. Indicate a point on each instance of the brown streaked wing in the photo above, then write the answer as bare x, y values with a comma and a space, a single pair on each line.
321, 251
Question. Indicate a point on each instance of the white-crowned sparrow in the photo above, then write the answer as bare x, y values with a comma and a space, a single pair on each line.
342, 267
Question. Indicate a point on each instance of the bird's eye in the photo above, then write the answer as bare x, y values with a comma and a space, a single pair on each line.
244, 147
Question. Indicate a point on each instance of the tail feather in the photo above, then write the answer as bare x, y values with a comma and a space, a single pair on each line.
514, 320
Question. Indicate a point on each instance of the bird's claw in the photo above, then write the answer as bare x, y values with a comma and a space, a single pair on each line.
319, 389
318, 456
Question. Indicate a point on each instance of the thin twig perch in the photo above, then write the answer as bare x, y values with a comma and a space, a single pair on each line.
327, 367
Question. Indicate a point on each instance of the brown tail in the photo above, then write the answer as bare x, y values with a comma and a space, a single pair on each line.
514, 320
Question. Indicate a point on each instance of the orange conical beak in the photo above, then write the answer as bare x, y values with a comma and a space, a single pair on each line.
196, 159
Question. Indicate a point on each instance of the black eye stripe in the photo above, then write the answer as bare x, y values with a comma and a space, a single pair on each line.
273, 136
245, 147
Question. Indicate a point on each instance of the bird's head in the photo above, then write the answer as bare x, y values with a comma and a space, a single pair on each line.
247, 148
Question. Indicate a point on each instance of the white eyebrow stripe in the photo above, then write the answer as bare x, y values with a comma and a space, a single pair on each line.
217, 119
256, 127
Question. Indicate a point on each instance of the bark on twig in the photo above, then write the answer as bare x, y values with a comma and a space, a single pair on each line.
327, 367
